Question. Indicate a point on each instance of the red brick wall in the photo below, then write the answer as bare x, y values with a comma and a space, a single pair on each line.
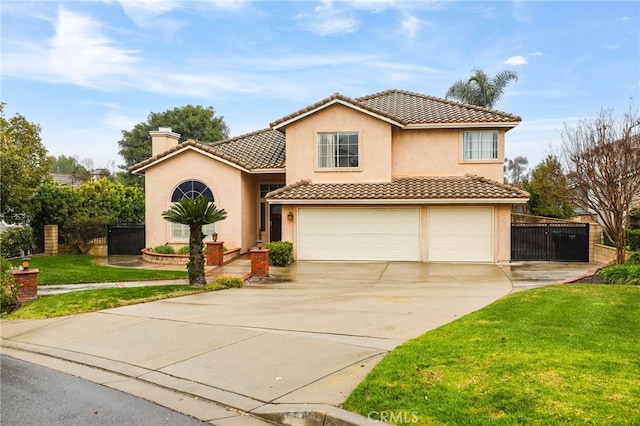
28, 281
259, 263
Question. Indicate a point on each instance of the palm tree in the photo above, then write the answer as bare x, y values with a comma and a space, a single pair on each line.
195, 213
480, 89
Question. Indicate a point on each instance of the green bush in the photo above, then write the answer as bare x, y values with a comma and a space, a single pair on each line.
230, 282
621, 274
184, 250
633, 258
16, 241
633, 239
280, 253
164, 249
9, 289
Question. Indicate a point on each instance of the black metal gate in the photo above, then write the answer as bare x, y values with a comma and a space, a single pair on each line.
555, 242
125, 239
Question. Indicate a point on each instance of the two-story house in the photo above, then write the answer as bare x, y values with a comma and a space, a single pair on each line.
391, 176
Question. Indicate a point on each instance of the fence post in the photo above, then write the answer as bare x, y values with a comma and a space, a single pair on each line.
27, 279
51, 239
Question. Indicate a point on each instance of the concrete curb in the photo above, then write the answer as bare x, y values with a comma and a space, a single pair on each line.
590, 272
115, 376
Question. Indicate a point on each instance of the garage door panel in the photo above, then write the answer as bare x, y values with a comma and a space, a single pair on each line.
358, 234
463, 234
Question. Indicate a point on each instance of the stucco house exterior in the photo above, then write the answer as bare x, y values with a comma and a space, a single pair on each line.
395, 175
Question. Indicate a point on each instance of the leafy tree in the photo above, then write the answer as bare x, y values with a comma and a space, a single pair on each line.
548, 187
69, 166
24, 165
515, 171
602, 156
480, 89
16, 241
192, 122
83, 212
195, 213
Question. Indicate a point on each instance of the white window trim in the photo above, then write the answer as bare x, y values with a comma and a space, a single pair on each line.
319, 168
463, 151
183, 230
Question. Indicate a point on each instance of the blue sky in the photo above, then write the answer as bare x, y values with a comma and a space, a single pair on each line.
86, 70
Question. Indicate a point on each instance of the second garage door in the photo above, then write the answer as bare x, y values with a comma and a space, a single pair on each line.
460, 234
358, 233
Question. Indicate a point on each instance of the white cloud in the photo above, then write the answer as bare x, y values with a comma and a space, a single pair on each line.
327, 20
516, 60
410, 26
535, 54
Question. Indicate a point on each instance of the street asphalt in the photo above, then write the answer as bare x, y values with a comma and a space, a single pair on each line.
284, 351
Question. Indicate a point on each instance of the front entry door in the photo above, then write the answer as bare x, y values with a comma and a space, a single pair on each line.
275, 222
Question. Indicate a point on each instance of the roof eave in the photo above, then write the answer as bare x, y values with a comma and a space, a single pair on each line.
139, 170
331, 103
401, 201
467, 125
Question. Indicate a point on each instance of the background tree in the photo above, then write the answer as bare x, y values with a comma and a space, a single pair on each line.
515, 171
548, 187
192, 122
83, 212
480, 89
602, 157
24, 163
195, 213
69, 166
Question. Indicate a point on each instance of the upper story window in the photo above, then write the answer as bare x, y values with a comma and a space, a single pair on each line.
191, 189
338, 150
480, 145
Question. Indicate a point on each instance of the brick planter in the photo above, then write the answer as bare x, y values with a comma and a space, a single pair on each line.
215, 253
28, 282
259, 262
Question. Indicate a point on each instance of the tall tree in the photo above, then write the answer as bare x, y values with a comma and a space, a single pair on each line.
195, 213
480, 89
515, 170
192, 122
24, 163
548, 187
602, 156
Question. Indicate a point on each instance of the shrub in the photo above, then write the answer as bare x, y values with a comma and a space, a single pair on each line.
280, 253
230, 282
633, 239
16, 241
83, 229
9, 289
634, 258
184, 250
164, 249
621, 274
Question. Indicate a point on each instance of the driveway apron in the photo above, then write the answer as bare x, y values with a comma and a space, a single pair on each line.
308, 337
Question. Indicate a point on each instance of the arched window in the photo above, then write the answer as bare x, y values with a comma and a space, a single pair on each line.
191, 189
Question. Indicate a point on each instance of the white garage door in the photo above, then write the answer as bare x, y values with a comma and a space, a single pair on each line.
358, 233
460, 234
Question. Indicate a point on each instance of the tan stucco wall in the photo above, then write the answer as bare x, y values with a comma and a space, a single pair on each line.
438, 152
224, 180
375, 146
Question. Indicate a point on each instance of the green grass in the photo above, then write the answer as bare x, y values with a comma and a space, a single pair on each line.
554, 355
77, 302
76, 269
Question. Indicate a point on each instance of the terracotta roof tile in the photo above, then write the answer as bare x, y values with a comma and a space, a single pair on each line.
409, 188
408, 108
263, 149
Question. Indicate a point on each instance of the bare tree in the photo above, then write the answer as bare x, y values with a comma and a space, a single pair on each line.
602, 157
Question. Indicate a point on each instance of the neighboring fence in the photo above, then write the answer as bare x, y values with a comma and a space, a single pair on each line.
125, 239
555, 242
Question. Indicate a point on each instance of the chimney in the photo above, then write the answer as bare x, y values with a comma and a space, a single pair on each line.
163, 140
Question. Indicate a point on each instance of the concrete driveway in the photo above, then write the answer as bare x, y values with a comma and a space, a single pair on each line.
299, 344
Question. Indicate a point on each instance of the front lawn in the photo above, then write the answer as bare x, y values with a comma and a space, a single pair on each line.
77, 302
76, 269
554, 355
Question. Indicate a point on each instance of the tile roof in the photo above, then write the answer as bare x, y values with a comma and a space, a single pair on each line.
263, 149
469, 187
411, 109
